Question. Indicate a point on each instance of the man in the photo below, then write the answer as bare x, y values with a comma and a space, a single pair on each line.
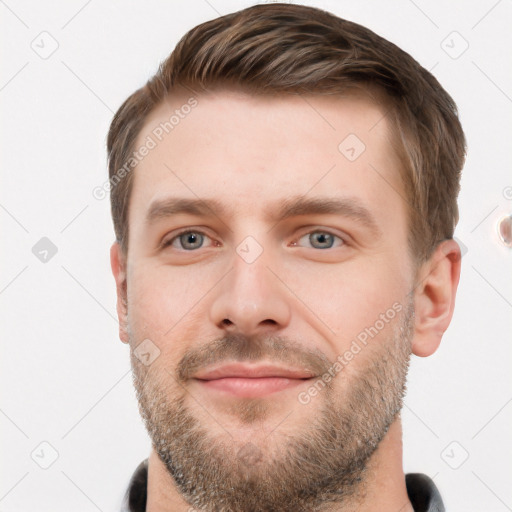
284, 200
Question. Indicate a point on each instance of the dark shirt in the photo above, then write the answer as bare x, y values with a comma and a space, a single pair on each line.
421, 490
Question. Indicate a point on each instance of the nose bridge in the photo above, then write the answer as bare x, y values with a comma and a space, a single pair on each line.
250, 299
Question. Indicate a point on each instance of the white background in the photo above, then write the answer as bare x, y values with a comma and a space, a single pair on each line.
64, 373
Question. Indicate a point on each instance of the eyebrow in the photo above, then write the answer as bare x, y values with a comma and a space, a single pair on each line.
345, 207
162, 209
292, 207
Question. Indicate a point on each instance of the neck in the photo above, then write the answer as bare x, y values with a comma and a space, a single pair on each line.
384, 484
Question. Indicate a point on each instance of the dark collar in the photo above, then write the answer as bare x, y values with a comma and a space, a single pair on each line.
421, 489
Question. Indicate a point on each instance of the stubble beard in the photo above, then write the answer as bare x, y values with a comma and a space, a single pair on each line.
321, 461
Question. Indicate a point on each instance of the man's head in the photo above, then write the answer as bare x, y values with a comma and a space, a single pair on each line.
287, 214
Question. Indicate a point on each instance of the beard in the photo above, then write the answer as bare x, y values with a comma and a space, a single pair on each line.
317, 461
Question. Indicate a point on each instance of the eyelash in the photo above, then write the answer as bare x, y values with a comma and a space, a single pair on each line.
170, 241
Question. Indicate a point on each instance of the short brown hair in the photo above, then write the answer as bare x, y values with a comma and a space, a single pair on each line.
283, 48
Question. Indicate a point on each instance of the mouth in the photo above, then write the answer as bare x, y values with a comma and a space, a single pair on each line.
250, 381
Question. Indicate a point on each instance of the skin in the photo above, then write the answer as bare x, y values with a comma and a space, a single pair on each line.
251, 155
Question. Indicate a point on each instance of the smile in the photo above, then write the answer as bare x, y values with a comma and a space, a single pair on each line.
252, 381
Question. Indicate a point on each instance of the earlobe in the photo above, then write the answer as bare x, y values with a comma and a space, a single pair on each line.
434, 297
118, 265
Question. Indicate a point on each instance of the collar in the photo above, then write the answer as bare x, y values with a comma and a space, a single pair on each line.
421, 490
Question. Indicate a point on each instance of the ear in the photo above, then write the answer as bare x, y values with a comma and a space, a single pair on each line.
434, 297
118, 264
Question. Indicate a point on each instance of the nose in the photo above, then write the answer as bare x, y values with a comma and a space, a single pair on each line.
250, 300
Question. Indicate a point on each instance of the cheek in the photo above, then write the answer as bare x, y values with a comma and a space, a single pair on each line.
352, 296
161, 299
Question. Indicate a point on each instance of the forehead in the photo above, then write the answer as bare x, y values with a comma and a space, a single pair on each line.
249, 152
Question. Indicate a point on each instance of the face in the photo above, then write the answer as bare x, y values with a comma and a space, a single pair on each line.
268, 279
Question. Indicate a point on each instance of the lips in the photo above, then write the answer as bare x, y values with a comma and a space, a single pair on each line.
250, 381
253, 372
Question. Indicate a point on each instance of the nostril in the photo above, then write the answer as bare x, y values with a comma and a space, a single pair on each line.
226, 322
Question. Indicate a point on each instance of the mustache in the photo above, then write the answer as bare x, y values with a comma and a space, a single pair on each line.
241, 348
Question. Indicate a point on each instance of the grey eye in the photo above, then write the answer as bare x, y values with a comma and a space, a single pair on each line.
191, 240
321, 240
